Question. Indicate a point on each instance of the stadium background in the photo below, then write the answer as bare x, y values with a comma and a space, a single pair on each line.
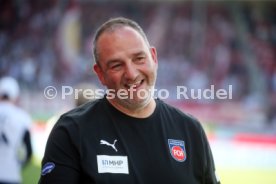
199, 43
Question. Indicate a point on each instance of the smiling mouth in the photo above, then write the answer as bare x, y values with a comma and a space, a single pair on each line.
134, 85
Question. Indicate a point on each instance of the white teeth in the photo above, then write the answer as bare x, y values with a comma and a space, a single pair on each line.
134, 84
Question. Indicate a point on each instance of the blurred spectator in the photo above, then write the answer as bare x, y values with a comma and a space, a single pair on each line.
191, 36
15, 141
83, 93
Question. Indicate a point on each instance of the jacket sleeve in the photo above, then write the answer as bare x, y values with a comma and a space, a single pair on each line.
61, 162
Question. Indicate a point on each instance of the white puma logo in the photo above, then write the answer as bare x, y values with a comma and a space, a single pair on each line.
108, 144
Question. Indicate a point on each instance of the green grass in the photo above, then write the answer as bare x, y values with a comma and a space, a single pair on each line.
247, 176
31, 173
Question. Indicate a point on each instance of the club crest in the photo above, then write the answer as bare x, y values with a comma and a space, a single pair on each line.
177, 150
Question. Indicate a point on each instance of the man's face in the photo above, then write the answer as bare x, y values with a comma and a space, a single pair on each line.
126, 63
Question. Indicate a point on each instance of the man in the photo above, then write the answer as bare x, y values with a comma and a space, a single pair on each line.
15, 141
128, 136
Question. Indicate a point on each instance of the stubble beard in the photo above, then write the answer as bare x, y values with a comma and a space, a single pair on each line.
137, 100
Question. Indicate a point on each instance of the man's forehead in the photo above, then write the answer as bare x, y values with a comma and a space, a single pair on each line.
129, 53
122, 39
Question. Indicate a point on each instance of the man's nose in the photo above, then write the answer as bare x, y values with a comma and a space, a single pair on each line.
131, 72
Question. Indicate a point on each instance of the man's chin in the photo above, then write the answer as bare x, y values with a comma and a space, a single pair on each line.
136, 103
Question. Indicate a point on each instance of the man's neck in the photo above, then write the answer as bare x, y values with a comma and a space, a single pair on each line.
142, 112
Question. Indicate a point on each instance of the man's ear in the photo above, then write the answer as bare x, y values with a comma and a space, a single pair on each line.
154, 54
98, 70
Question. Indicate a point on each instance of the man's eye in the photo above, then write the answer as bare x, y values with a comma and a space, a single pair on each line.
139, 59
117, 66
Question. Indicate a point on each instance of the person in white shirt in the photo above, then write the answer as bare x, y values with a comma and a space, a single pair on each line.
15, 139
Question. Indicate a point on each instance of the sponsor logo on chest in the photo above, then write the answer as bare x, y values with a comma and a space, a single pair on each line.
112, 164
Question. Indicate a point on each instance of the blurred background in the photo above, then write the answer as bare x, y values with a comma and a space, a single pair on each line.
199, 44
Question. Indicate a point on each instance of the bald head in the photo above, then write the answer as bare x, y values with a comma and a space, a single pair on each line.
112, 25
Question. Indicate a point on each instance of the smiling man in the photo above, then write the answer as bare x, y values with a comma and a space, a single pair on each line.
135, 139
125, 61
